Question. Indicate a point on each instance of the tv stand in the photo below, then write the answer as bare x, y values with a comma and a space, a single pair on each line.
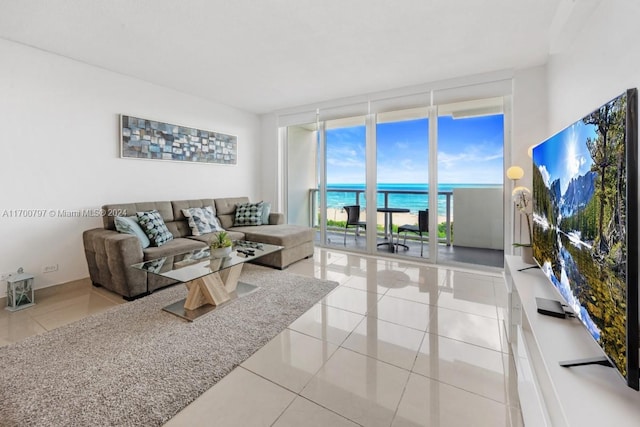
549, 394
603, 361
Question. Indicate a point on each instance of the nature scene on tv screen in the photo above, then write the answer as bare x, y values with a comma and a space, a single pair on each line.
580, 213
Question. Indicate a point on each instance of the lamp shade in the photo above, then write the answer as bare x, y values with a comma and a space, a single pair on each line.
515, 172
530, 151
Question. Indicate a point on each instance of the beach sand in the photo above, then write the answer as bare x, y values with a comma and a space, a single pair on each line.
398, 218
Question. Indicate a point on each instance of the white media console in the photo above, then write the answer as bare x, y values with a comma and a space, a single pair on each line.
549, 394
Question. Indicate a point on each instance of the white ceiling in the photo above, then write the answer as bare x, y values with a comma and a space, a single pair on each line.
267, 55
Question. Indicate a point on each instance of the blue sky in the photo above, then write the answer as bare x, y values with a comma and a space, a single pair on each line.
565, 155
469, 151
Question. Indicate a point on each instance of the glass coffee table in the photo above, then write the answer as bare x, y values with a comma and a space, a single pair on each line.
211, 281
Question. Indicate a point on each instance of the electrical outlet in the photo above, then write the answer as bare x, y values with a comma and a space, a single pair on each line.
4, 276
50, 268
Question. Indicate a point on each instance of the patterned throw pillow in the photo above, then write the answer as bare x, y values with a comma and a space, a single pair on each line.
248, 214
129, 225
202, 220
153, 225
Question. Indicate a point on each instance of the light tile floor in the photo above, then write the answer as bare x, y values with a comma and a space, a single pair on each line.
55, 306
395, 344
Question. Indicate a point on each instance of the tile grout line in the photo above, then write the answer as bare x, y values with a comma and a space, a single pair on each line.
299, 394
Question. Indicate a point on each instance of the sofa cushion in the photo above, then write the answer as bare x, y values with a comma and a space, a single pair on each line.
226, 210
129, 225
179, 205
153, 225
248, 214
287, 235
130, 209
173, 247
202, 220
276, 218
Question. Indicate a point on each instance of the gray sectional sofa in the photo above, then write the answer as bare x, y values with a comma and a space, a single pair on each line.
110, 253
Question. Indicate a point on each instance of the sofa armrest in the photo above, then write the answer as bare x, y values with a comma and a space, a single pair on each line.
276, 218
93, 250
124, 250
110, 255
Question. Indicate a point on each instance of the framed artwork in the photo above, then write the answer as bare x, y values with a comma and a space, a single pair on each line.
153, 140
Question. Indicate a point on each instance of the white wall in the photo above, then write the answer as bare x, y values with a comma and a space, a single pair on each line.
301, 173
528, 127
529, 121
271, 179
60, 151
596, 61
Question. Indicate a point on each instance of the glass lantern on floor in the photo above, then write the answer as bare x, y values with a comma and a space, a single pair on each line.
20, 293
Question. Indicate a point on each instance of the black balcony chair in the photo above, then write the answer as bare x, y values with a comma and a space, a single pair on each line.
422, 227
353, 219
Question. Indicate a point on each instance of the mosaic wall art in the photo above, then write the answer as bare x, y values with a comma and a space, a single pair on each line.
148, 139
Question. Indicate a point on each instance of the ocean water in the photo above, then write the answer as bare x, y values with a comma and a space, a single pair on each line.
339, 195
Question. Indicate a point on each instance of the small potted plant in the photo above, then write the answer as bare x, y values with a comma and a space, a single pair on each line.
221, 246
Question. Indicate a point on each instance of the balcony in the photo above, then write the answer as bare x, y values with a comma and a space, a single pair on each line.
477, 243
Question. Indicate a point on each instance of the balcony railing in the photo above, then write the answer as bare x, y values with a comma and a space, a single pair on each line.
313, 192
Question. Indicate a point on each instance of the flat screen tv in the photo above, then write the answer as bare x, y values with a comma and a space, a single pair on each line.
585, 225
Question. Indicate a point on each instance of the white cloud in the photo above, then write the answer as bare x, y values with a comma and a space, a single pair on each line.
345, 156
345, 162
407, 164
470, 155
546, 176
403, 171
478, 174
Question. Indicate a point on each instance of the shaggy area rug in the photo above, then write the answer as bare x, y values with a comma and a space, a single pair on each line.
137, 365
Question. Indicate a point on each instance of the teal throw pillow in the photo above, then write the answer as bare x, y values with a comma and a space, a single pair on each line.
248, 214
202, 220
266, 210
129, 225
154, 227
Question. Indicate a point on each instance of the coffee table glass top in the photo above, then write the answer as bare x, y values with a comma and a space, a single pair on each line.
197, 263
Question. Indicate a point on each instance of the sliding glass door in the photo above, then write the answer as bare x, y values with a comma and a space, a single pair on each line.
470, 183
402, 165
424, 183
345, 178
